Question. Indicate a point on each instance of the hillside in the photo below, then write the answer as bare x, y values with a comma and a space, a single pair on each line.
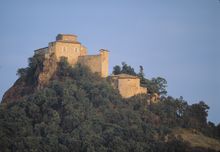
197, 139
80, 111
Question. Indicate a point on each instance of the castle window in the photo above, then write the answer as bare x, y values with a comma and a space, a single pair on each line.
64, 49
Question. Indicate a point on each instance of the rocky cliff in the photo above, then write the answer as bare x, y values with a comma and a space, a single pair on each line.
41, 69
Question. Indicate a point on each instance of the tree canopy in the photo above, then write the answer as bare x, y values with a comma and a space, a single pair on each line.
79, 111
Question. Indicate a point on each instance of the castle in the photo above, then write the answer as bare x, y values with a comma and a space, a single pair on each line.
66, 45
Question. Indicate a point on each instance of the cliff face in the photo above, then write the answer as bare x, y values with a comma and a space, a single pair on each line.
17, 91
49, 68
40, 76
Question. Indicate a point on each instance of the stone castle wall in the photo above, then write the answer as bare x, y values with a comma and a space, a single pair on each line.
66, 37
130, 87
69, 50
127, 85
66, 45
49, 68
104, 54
97, 63
91, 61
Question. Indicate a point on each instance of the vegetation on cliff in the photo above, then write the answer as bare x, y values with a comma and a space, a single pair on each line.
79, 111
31, 73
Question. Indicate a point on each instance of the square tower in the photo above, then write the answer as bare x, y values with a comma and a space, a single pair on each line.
66, 37
66, 45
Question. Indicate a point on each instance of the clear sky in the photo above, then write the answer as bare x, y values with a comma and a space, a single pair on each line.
175, 39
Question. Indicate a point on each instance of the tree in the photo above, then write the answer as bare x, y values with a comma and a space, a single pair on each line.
116, 70
196, 115
160, 85
22, 72
218, 130
141, 72
155, 85
63, 66
124, 68
80, 111
127, 69
31, 73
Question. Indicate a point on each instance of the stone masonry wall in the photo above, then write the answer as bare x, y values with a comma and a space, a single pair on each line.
69, 50
91, 61
104, 62
49, 68
129, 87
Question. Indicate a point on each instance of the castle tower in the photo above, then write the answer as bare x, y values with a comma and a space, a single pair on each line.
104, 62
66, 38
66, 45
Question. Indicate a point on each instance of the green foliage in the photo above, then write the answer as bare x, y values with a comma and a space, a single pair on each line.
141, 72
22, 72
31, 73
116, 69
79, 111
155, 85
196, 115
127, 69
171, 111
176, 112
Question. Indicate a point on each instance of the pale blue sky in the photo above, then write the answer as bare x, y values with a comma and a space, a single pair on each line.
175, 39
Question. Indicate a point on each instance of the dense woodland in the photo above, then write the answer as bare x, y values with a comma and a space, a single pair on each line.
80, 112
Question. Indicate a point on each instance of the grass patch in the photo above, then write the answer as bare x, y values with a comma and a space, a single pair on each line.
197, 139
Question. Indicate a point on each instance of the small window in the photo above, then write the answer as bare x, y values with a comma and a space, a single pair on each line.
64, 49
76, 49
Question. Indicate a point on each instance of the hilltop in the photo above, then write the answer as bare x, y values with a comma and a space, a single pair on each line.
80, 111
196, 138
43, 66
66, 102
